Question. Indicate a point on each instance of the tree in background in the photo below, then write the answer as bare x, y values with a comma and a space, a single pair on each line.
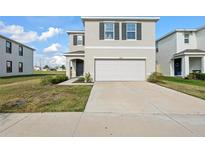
63, 67
46, 67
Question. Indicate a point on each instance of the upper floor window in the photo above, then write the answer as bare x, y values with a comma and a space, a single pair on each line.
186, 38
8, 47
79, 40
20, 67
20, 50
8, 66
131, 31
109, 31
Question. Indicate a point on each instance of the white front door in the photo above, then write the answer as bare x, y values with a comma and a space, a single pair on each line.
120, 70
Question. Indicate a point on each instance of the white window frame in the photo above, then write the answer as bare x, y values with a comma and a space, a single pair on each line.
113, 24
131, 31
20, 63
79, 44
10, 46
186, 38
11, 67
20, 50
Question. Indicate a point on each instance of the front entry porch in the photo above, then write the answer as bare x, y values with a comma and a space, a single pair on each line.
76, 68
187, 62
75, 64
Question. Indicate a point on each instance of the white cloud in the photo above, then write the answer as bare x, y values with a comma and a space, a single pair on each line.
18, 33
42, 60
25, 37
50, 33
11, 29
52, 48
56, 61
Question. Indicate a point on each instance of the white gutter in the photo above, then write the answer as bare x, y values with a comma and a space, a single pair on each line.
118, 18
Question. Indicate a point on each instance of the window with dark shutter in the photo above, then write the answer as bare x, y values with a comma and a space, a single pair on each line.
116, 31
123, 31
109, 31
131, 31
139, 31
79, 40
101, 31
74, 39
186, 38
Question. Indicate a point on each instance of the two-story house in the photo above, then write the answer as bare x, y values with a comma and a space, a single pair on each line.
113, 48
15, 58
181, 52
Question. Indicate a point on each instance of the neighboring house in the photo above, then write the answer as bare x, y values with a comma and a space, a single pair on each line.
113, 48
16, 58
37, 68
60, 69
45, 69
181, 52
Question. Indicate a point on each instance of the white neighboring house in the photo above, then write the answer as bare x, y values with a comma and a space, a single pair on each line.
181, 52
113, 48
15, 58
37, 68
60, 69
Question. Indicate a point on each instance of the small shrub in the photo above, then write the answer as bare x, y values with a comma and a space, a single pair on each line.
154, 77
80, 80
196, 76
53, 79
200, 76
88, 78
191, 76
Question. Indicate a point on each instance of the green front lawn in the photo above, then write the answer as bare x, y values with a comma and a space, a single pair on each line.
192, 87
26, 94
49, 72
35, 75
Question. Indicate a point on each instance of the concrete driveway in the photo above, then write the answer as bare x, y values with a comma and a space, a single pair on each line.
117, 109
141, 97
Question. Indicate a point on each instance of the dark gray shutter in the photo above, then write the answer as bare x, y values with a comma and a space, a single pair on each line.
83, 39
123, 31
74, 39
116, 31
139, 31
101, 31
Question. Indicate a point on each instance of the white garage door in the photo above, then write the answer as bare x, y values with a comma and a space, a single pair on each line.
119, 70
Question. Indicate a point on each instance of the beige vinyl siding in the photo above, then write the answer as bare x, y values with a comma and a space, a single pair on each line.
92, 35
74, 47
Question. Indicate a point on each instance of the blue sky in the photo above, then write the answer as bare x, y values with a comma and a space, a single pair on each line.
48, 34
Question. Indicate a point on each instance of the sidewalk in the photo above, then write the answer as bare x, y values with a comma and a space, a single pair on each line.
72, 124
71, 82
68, 82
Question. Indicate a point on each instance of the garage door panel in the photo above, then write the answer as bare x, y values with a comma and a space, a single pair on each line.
119, 70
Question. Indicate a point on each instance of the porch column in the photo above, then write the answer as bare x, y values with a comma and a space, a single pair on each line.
203, 64
186, 66
171, 66
73, 68
67, 67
